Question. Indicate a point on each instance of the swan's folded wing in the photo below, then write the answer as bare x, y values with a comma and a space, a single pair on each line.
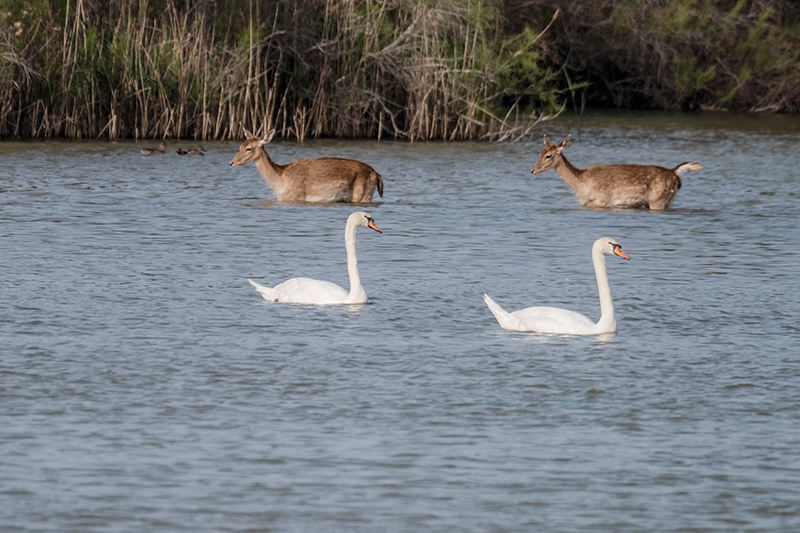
553, 320
310, 291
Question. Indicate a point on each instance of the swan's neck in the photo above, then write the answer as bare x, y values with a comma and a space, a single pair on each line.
607, 322
357, 293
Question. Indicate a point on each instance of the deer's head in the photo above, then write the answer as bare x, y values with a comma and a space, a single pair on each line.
550, 155
250, 149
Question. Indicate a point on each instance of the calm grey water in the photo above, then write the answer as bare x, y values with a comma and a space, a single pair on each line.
145, 386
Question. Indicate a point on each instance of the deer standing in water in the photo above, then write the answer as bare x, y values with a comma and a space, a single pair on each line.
324, 179
614, 185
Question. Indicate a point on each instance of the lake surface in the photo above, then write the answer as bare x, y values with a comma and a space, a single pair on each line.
146, 386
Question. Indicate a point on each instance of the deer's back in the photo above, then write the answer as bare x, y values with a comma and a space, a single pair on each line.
326, 168
627, 185
611, 175
329, 179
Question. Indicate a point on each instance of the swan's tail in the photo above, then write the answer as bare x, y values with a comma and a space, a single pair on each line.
681, 169
504, 318
270, 295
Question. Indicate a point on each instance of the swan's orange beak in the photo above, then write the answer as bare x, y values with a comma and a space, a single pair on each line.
372, 225
618, 251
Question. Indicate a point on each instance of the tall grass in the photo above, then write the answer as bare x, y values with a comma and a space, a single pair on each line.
433, 69
399, 69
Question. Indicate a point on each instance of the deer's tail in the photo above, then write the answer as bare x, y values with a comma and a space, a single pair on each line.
684, 167
380, 184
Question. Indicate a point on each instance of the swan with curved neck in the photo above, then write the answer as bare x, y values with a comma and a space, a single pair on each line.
563, 321
318, 292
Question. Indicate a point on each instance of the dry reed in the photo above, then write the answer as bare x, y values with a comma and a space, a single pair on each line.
441, 69
393, 68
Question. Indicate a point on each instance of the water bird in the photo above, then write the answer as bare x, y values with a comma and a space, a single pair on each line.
323, 179
152, 151
191, 151
563, 321
317, 292
614, 185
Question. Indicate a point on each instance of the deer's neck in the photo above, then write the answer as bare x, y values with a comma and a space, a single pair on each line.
270, 171
572, 175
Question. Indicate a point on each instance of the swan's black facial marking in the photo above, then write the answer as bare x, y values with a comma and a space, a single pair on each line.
371, 224
617, 250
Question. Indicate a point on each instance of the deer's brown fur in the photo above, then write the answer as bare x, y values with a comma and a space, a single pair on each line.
614, 185
324, 179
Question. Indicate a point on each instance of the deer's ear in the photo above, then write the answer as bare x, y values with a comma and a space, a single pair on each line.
267, 137
247, 134
547, 141
565, 141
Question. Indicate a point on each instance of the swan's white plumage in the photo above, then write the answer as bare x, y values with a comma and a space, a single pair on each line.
563, 321
540, 319
318, 292
303, 290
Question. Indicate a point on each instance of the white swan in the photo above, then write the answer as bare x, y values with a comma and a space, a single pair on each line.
317, 292
555, 320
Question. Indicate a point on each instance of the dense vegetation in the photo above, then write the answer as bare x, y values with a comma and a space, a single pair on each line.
431, 69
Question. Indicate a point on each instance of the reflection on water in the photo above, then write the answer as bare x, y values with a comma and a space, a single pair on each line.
146, 386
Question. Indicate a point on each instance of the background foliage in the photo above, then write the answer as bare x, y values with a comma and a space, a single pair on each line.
431, 69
